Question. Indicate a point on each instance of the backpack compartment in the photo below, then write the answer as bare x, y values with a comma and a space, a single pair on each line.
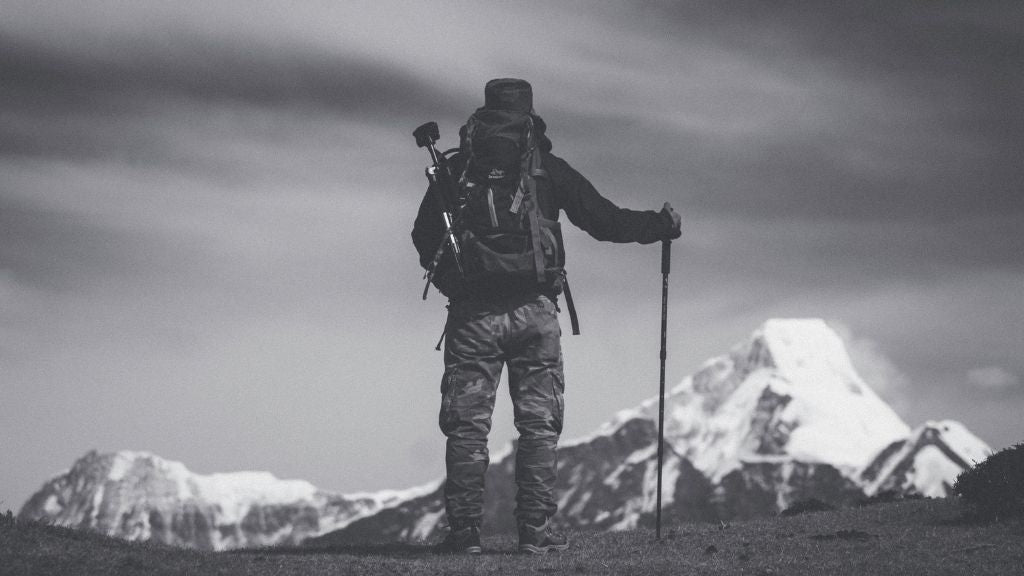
508, 252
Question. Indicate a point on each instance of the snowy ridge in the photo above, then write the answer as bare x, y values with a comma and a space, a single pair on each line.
234, 492
926, 462
390, 497
136, 494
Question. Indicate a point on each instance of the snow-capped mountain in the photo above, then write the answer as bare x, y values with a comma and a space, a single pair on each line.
140, 496
782, 417
789, 393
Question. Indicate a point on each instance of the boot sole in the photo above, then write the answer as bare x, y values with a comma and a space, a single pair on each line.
531, 549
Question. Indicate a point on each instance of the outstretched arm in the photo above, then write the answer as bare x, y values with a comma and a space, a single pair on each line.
602, 219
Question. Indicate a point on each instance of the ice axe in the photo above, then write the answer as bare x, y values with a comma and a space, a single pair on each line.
666, 260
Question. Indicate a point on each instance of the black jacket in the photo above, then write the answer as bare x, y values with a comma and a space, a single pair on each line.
566, 190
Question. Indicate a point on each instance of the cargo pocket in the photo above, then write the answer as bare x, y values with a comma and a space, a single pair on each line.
546, 317
558, 402
446, 419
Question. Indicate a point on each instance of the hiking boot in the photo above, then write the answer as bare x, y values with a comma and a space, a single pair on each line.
463, 541
540, 539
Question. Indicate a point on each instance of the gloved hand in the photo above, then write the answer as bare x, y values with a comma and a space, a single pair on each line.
677, 221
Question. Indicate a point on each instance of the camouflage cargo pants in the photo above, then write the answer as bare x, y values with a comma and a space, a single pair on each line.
482, 337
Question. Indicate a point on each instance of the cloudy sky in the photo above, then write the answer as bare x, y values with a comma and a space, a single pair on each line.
205, 211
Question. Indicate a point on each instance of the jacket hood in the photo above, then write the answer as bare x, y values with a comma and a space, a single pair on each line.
542, 138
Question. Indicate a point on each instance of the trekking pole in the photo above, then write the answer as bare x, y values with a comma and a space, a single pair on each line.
666, 259
441, 182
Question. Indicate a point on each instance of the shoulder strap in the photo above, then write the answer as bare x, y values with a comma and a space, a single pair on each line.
534, 209
538, 257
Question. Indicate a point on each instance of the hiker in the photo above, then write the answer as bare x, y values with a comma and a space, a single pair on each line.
503, 302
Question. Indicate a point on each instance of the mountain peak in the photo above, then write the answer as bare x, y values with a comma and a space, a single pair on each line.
808, 350
789, 391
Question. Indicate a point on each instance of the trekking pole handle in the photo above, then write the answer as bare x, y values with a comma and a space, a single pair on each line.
666, 256
426, 135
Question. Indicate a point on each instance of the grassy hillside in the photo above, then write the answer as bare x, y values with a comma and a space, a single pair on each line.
911, 537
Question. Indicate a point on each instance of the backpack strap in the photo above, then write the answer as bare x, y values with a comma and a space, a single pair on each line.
532, 168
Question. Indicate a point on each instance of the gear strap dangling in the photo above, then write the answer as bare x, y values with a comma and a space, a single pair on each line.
441, 339
573, 318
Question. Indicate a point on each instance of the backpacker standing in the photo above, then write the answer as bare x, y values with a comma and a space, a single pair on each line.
503, 310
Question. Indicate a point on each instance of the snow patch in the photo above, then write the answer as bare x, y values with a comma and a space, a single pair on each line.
236, 492
933, 471
52, 505
968, 446
425, 525
121, 464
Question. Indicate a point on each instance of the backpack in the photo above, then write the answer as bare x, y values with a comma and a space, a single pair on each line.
508, 245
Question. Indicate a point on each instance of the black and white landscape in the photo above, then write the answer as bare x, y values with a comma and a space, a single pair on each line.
781, 417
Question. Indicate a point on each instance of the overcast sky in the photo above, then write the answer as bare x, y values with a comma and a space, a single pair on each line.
205, 211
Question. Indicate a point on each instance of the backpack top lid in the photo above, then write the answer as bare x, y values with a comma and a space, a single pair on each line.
495, 159
509, 94
499, 136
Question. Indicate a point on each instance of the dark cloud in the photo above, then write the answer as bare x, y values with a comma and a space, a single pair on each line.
865, 172
211, 69
836, 253
133, 78
907, 112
